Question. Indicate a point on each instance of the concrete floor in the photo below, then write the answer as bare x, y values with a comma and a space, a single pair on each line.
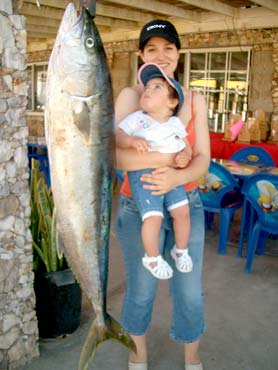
241, 314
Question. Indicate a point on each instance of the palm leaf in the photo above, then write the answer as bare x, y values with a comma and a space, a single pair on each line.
43, 224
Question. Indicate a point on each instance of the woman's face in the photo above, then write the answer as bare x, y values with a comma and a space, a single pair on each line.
161, 52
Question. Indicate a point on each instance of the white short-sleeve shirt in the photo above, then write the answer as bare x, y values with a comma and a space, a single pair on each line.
164, 137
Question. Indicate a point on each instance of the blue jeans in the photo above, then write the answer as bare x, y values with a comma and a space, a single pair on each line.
186, 290
150, 205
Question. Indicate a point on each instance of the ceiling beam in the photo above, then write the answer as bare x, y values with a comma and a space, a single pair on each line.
50, 33
159, 7
30, 8
214, 6
60, 4
116, 23
46, 30
251, 18
248, 14
254, 18
38, 35
100, 21
270, 4
38, 21
43, 11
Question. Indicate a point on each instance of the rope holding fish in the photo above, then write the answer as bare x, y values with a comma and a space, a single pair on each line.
90, 5
20, 3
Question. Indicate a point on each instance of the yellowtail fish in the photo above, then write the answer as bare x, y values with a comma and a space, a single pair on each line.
80, 139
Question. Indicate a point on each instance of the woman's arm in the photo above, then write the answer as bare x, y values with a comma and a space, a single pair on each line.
201, 149
164, 179
126, 141
123, 140
129, 159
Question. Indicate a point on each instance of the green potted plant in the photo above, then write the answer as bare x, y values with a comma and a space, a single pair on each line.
58, 295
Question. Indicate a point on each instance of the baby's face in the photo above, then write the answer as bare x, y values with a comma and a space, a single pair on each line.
156, 95
157, 85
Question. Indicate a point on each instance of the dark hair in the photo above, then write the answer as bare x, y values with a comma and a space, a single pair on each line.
159, 28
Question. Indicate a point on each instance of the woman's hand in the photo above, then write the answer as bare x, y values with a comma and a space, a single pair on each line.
161, 180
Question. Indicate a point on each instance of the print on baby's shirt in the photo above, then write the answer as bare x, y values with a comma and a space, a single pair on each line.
144, 123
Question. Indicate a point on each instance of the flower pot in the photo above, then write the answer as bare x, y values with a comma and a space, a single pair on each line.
58, 303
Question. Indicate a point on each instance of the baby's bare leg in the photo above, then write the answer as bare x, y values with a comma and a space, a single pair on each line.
181, 225
152, 260
150, 233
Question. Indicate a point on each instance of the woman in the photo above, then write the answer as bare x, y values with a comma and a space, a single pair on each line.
159, 43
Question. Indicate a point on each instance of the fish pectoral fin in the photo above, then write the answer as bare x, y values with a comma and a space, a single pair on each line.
99, 334
81, 109
81, 118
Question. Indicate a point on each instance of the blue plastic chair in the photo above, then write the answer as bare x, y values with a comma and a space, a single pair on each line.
261, 195
42, 157
220, 194
120, 175
253, 155
247, 222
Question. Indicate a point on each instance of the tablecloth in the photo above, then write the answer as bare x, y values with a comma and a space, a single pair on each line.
224, 149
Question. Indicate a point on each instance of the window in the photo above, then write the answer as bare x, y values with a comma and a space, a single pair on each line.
223, 77
36, 86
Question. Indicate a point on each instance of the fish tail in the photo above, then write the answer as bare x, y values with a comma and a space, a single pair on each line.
99, 334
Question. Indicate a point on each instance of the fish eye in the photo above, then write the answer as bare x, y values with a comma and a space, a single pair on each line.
89, 42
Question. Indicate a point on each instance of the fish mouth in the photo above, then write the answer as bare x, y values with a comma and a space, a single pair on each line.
73, 20
77, 26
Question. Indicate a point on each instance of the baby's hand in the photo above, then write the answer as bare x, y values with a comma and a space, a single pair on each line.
182, 158
141, 145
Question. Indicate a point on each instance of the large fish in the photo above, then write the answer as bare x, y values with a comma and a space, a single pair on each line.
79, 134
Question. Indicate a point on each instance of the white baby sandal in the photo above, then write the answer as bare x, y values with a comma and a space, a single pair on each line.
182, 259
193, 366
137, 366
158, 267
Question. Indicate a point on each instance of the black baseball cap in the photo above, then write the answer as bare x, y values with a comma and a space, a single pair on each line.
148, 71
159, 28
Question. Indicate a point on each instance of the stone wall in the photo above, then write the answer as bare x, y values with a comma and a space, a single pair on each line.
18, 323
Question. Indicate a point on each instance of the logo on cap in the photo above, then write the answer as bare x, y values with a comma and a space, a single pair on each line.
155, 26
